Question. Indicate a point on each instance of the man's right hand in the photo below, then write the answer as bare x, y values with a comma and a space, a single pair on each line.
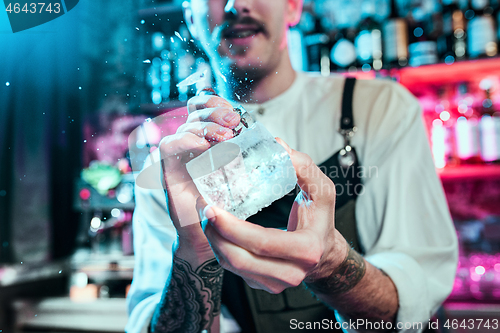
211, 120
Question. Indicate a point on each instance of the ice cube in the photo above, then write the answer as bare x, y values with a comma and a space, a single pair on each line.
244, 174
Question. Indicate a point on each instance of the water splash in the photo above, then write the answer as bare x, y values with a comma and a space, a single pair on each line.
179, 36
222, 76
193, 79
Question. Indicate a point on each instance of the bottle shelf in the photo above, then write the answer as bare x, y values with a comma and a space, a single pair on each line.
438, 74
435, 74
470, 172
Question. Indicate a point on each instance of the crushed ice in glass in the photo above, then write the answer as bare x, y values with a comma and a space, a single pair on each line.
244, 174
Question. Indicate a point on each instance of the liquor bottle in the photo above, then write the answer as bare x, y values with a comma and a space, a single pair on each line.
452, 43
154, 80
155, 74
297, 49
487, 103
315, 40
441, 131
369, 40
489, 125
343, 52
422, 49
496, 7
440, 140
395, 36
482, 37
467, 129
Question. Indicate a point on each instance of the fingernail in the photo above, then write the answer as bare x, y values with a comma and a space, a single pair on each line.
285, 145
222, 131
230, 117
209, 213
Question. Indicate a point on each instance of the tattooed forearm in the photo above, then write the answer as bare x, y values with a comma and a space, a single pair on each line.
191, 299
356, 289
343, 279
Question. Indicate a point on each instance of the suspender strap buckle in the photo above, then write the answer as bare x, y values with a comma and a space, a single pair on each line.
348, 134
347, 157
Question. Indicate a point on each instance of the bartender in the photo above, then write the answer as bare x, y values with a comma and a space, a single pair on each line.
369, 249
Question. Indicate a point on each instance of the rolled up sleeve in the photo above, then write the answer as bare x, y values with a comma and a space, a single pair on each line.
154, 235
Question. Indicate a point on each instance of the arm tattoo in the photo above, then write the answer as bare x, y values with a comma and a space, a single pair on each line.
344, 278
191, 299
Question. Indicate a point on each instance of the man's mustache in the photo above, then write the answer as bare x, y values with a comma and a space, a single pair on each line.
245, 20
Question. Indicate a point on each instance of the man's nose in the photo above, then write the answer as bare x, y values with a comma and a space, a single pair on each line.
237, 7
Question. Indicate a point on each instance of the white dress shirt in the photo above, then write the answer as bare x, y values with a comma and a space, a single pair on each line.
401, 213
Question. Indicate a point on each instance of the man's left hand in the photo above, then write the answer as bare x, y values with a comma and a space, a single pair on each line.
273, 259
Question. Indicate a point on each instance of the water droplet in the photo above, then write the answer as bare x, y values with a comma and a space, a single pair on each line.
136, 28
172, 39
84, 140
147, 61
7, 84
142, 21
80, 88
59, 273
178, 35
223, 77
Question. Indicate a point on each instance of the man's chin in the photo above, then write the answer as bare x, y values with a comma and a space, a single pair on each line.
244, 69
